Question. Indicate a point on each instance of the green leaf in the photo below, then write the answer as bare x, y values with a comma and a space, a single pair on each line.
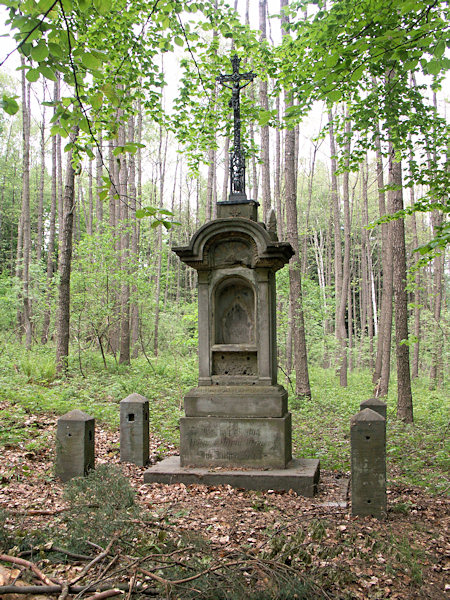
84, 5
440, 49
84, 125
433, 67
44, 5
102, 6
334, 95
90, 61
96, 100
357, 74
332, 61
178, 41
47, 72
32, 75
9, 105
67, 5
39, 52
56, 50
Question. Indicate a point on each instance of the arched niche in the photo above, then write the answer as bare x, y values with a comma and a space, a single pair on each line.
234, 310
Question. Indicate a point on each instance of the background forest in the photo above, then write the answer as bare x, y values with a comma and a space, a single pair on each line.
114, 146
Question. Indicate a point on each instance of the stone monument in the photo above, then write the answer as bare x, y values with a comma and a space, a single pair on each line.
236, 419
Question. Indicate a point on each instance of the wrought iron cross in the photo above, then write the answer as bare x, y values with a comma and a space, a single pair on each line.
237, 158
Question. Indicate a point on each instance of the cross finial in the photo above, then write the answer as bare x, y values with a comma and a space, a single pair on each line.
237, 160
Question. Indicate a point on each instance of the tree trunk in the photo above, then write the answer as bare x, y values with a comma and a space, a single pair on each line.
341, 329
51, 254
99, 183
280, 228
417, 285
64, 267
135, 231
336, 224
162, 154
404, 395
382, 370
302, 386
40, 220
124, 354
26, 221
265, 131
436, 370
90, 207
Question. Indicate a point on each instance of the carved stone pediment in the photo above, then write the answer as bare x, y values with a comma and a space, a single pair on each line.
236, 241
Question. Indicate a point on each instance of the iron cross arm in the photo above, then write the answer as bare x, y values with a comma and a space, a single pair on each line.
235, 77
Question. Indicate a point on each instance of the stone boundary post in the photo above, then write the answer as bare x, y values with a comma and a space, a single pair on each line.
134, 433
368, 456
75, 445
374, 404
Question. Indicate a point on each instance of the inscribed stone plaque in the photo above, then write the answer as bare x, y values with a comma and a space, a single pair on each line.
250, 442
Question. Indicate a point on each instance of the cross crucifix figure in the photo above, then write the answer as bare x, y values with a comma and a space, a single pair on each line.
237, 160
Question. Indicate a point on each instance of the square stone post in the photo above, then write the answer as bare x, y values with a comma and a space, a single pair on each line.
134, 434
374, 404
368, 450
75, 445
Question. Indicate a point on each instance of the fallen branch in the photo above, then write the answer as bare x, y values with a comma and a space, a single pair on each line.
192, 577
93, 562
51, 548
75, 589
35, 512
105, 594
26, 563
64, 592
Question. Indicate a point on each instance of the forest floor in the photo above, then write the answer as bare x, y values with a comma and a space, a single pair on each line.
222, 542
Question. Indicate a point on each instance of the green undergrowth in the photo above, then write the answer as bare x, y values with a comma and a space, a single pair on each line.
417, 454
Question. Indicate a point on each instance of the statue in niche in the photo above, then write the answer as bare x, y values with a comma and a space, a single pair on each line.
236, 325
236, 314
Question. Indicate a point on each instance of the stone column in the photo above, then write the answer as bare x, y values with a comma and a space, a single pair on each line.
75, 445
264, 327
204, 315
368, 450
134, 434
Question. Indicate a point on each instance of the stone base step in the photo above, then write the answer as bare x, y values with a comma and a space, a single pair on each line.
301, 475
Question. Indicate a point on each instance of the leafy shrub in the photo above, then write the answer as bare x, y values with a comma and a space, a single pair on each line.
101, 506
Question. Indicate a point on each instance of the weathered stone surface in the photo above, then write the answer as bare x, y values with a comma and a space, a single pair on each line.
75, 445
236, 401
368, 454
374, 404
134, 430
300, 475
247, 210
243, 442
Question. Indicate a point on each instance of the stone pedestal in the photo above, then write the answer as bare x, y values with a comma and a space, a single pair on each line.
75, 445
237, 417
134, 435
